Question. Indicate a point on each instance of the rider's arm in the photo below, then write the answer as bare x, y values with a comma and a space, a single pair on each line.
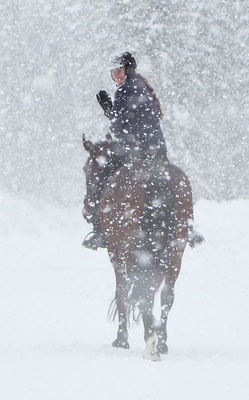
119, 114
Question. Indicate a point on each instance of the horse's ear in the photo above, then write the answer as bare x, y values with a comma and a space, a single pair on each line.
108, 137
87, 144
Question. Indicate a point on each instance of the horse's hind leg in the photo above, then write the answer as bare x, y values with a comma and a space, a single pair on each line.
121, 298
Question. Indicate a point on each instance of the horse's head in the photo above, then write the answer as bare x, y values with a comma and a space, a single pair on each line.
99, 162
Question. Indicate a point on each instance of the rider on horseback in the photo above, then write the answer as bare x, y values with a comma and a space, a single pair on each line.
135, 121
136, 111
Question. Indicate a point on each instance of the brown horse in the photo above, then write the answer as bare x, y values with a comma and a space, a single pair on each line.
145, 212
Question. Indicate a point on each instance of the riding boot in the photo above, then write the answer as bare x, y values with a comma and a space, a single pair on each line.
195, 238
97, 238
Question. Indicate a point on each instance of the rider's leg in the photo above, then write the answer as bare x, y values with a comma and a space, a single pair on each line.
194, 238
97, 237
185, 212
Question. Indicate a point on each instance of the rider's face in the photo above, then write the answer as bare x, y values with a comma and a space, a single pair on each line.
118, 75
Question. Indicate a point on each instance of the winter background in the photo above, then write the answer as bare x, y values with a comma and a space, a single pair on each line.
55, 341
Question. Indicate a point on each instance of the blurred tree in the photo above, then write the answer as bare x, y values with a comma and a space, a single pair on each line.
54, 58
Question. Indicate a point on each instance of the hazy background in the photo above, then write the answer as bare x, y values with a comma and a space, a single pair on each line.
54, 58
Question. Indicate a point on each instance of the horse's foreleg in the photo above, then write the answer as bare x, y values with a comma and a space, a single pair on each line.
121, 298
167, 294
167, 299
150, 331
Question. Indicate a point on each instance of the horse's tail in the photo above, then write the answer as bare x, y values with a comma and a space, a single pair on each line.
145, 284
133, 312
112, 310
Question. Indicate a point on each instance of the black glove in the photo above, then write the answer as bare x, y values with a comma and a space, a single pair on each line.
104, 100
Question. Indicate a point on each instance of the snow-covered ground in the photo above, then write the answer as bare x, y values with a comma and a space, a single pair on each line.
55, 340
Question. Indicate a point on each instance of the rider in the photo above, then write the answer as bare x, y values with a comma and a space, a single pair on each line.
134, 120
136, 112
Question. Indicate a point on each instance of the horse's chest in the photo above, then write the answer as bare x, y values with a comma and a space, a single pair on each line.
122, 205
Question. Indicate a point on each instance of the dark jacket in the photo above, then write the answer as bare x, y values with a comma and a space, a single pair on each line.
135, 116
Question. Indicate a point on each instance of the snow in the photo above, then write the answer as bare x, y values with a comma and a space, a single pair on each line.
55, 340
55, 58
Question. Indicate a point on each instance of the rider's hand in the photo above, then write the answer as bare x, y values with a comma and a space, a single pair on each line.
104, 100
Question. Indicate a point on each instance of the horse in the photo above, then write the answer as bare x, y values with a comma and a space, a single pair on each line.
145, 212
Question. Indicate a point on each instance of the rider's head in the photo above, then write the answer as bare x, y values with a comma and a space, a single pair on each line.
126, 63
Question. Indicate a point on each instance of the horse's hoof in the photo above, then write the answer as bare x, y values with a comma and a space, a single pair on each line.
155, 356
162, 348
150, 352
121, 343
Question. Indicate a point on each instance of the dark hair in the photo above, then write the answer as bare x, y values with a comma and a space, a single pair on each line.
128, 61
156, 99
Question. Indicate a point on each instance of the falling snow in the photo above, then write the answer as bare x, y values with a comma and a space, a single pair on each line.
55, 58
54, 337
